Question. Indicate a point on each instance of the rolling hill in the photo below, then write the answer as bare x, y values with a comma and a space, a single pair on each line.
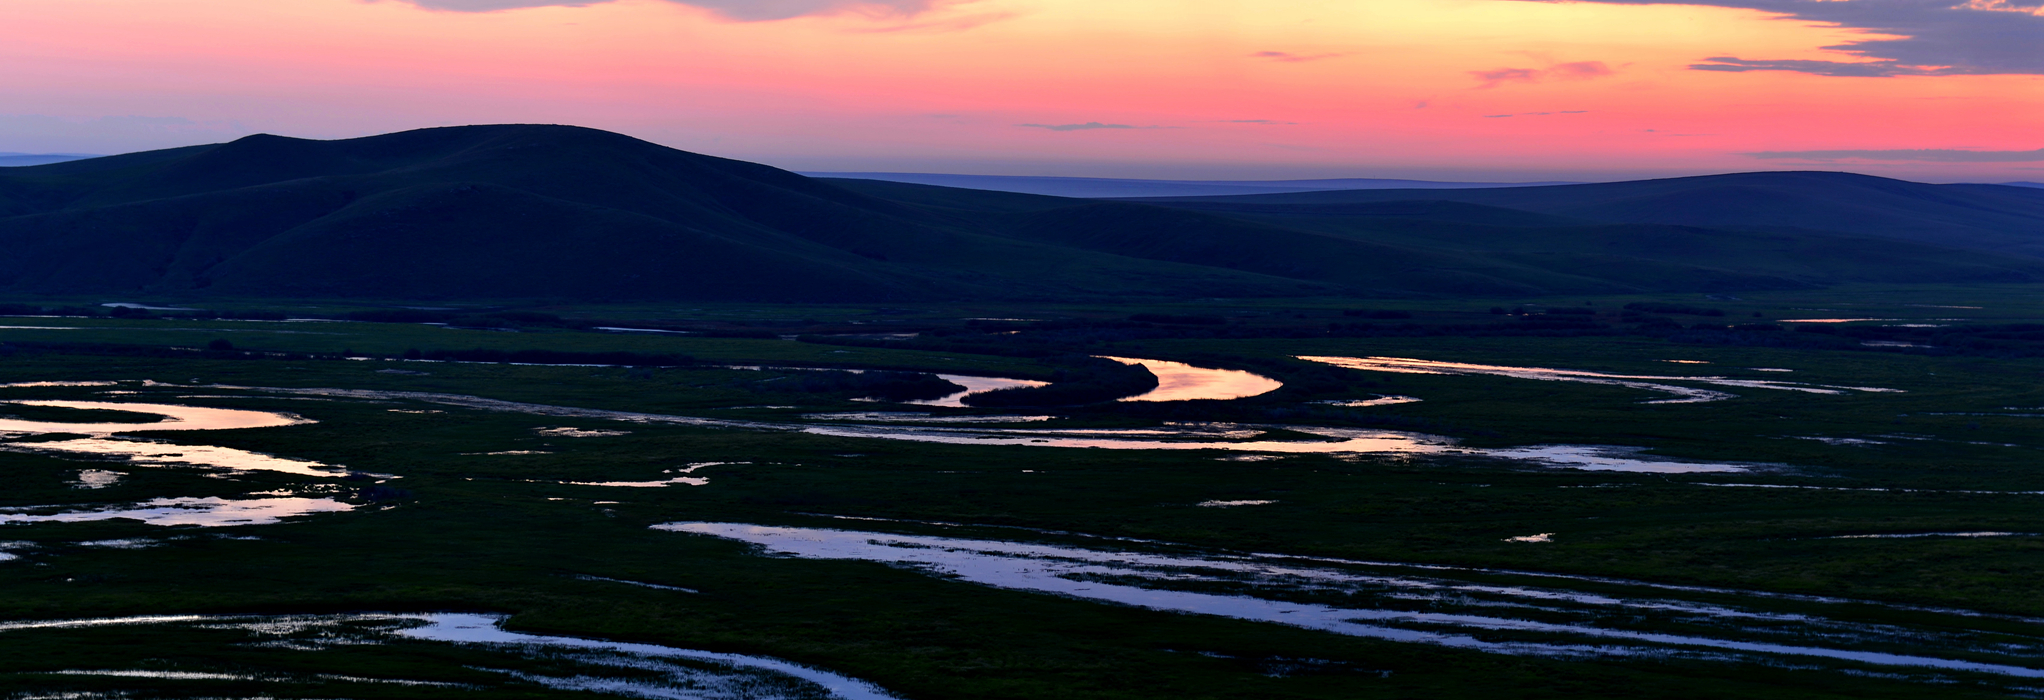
1996, 218
17, 160
566, 213
1106, 188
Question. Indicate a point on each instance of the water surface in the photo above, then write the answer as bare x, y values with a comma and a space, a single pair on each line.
1255, 438
1383, 400
203, 512
975, 385
175, 417
96, 479
686, 478
488, 630
901, 417
163, 454
572, 664
1170, 436
1648, 382
1177, 381
1414, 609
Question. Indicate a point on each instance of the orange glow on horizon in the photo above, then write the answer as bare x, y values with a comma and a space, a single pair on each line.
1305, 88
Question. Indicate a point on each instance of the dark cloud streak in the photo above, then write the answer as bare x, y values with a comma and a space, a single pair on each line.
1088, 126
1923, 155
1940, 37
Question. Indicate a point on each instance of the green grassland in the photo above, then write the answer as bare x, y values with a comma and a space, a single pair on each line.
472, 531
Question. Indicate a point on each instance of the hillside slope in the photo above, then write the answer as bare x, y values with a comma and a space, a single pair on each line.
527, 211
555, 212
1978, 217
1457, 248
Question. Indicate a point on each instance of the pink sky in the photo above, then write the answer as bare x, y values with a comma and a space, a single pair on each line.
1192, 89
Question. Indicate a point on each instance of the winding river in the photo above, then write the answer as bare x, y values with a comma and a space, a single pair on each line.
1648, 382
1547, 621
571, 664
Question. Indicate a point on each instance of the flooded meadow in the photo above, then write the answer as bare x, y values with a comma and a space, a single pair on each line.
306, 529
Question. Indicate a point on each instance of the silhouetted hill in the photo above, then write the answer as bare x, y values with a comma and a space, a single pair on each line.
519, 211
19, 160
553, 212
1979, 217
1103, 188
1442, 247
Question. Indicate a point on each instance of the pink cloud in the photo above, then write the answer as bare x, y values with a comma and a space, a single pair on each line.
1283, 57
1578, 70
738, 10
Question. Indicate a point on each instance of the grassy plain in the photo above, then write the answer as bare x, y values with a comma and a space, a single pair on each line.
507, 533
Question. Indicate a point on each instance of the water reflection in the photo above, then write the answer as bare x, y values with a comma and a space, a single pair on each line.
898, 417
1600, 458
1366, 403
566, 432
8, 549
685, 478
975, 385
203, 512
1683, 394
162, 454
38, 385
1913, 535
1248, 438
571, 664
1171, 436
175, 418
96, 479
739, 677
1177, 381
1425, 610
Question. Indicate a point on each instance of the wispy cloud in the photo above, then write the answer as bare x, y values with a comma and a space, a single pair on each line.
1088, 126
1870, 69
736, 10
1536, 114
1903, 37
1283, 57
1922, 155
939, 26
1578, 70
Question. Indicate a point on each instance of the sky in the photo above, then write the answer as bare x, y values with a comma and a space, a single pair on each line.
1484, 90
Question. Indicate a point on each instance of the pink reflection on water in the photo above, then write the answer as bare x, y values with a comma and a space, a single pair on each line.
1177, 381
176, 418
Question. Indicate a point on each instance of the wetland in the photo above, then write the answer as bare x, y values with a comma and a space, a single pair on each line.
1275, 515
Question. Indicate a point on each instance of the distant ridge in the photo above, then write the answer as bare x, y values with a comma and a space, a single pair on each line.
22, 160
1112, 188
2025, 184
545, 212
1996, 218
